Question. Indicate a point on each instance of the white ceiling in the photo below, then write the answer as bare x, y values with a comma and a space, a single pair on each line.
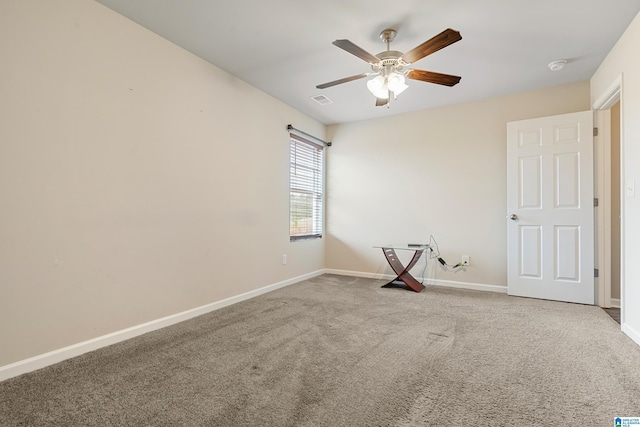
283, 47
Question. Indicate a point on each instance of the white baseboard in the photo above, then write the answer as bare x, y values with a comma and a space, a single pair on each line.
615, 303
56, 356
631, 333
426, 281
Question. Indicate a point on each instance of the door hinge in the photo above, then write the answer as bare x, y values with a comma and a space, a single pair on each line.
595, 131
596, 272
596, 202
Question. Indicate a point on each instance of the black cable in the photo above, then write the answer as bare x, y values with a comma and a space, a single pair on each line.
433, 244
443, 262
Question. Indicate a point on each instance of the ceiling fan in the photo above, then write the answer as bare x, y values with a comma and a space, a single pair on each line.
391, 67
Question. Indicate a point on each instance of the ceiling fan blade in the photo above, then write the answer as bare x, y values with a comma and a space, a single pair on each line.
340, 81
432, 45
431, 77
357, 51
381, 102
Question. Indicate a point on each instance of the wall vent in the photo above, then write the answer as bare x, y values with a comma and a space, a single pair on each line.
322, 100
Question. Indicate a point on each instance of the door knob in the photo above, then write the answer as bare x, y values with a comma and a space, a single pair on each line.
513, 217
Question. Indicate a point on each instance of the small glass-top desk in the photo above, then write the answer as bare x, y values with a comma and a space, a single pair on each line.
404, 279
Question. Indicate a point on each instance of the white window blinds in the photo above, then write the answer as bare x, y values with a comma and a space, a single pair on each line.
306, 178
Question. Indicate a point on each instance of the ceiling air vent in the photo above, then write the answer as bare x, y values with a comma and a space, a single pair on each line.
322, 100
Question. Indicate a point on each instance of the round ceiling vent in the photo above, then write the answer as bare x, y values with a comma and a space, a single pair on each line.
557, 65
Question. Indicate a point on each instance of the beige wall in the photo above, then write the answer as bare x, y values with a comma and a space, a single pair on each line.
126, 197
623, 61
136, 180
439, 171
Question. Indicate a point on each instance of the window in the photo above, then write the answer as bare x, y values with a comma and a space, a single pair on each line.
306, 178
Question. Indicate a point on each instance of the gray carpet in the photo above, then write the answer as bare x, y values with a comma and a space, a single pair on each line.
341, 351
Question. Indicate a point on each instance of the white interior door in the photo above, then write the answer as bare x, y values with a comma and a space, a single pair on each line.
550, 226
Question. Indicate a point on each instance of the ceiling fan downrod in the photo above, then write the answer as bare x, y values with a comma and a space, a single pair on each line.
388, 35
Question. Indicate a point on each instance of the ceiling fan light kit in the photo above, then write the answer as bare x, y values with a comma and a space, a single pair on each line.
390, 68
377, 86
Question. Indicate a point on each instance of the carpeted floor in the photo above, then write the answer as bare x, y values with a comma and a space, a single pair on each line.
341, 351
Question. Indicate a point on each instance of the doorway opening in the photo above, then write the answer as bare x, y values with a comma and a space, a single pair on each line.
609, 221
615, 206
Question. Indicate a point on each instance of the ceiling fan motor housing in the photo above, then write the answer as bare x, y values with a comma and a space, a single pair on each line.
390, 60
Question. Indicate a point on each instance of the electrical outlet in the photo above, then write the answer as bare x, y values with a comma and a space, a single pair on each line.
465, 260
284, 259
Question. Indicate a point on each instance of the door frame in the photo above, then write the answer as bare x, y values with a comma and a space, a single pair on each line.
602, 191
602, 120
